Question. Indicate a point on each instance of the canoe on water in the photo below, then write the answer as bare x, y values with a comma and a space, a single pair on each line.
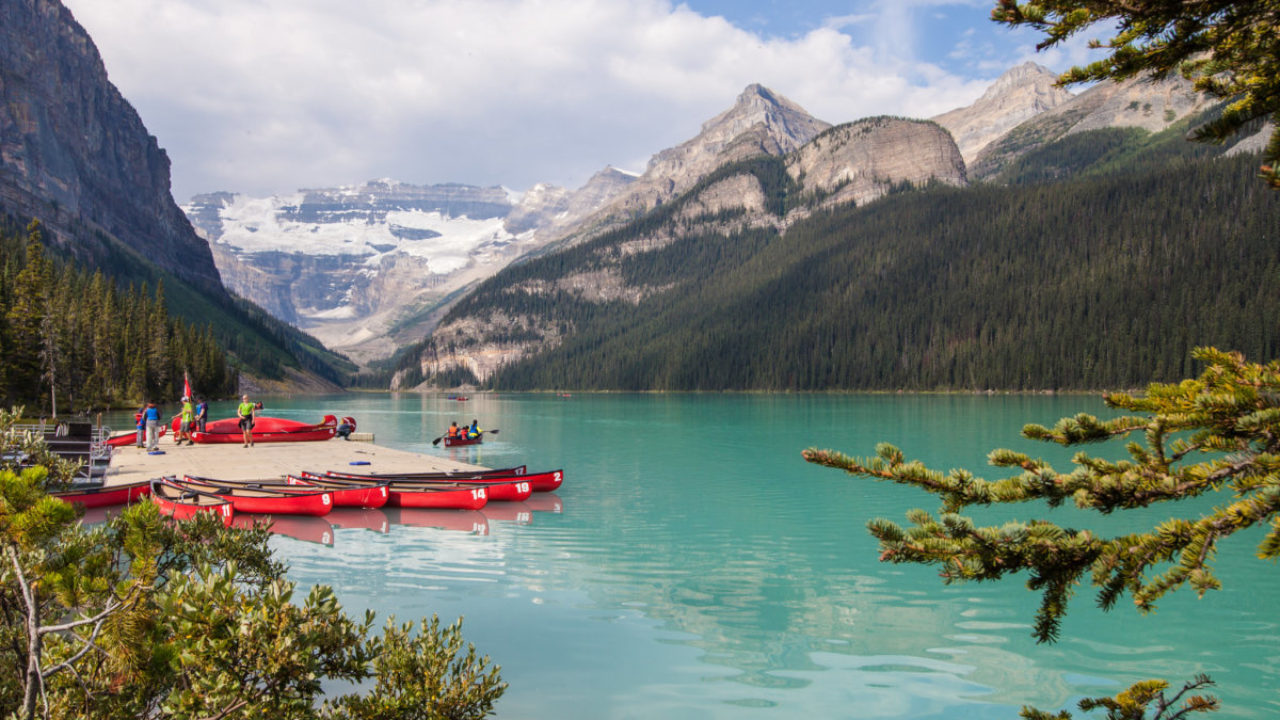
100, 496
251, 496
538, 481
500, 489
415, 495
270, 429
369, 495
182, 503
460, 441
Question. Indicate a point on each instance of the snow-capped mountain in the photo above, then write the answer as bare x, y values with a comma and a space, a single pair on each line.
352, 265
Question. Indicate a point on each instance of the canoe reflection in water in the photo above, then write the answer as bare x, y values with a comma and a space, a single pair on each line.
360, 518
545, 502
514, 512
308, 528
471, 521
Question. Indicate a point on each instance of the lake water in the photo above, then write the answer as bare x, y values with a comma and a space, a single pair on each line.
694, 566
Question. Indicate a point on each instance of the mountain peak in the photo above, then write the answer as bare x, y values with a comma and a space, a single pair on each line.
1018, 95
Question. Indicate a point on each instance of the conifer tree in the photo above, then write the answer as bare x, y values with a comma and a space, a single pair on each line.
26, 314
1215, 435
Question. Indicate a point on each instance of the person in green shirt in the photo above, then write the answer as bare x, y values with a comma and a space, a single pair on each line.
186, 423
246, 412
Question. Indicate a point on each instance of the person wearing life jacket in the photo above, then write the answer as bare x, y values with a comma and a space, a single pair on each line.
474, 431
246, 412
187, 421
454, 431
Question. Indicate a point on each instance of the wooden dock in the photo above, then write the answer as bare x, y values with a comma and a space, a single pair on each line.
268, 460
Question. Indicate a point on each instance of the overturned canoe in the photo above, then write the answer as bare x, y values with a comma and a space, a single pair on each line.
269, 429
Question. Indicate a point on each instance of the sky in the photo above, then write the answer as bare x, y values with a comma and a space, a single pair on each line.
266, 97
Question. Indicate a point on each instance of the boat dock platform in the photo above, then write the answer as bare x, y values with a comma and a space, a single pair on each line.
233, 461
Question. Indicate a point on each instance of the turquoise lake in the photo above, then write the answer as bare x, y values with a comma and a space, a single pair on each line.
694, 566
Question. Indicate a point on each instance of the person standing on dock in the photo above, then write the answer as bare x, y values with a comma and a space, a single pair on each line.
187, 422
151, 415
140, 420
246, 412
202, 413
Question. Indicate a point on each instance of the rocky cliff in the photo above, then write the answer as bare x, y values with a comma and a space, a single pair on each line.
75, 154
760, 122
1138, 103
861, 161
1018, 95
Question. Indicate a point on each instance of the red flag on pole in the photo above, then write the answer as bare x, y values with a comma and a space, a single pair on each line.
186, 385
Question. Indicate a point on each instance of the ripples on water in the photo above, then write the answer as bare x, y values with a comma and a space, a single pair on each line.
693, 566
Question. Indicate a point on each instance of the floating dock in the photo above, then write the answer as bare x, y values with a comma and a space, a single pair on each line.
233, 461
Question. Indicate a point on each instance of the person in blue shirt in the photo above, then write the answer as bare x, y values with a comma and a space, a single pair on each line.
152, 417
202, 413
474, 431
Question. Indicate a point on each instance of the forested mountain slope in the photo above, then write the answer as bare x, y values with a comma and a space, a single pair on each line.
75, 155
1102, 272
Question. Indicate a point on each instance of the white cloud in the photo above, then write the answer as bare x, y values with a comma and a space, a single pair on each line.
267, 96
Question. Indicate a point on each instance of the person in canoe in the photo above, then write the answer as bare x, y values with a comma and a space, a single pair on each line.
454, 432
246, 412
474, 431
187, 422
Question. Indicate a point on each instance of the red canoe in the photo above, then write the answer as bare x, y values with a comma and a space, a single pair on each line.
465, 473
267, 429
278, 500
182, 504
538, 482
502, 489
125, 439
370, 495
92, 497
459, 441
420, 495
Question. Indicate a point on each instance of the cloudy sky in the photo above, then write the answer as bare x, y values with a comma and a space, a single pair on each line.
268, 96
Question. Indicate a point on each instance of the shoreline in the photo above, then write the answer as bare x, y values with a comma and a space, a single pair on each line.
232, 461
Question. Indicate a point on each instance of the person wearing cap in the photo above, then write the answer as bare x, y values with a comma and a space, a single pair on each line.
185, 424
246, 412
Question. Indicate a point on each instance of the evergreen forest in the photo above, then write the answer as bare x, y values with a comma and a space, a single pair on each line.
77, 339
1097, 262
